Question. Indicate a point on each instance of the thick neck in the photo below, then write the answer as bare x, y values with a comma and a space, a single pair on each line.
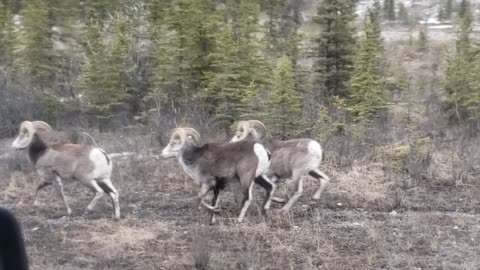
190, 153
37, 148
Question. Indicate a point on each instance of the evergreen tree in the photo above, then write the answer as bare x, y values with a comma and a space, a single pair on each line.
273, 32
286, 104
187, 38
104, 77
334, 47
465, 12
403, 14
389, 10
10, 40
37, 55
367, 85
4, 18
238, 70
448, 9
462, 84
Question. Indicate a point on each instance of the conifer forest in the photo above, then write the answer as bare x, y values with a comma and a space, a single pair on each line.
366, 133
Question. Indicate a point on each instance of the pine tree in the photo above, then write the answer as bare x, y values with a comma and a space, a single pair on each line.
10, 40
186, 40
367, 97
239, 70
448, 9
4, 18
286, 104
104, 77
273, 32
334, 47
462, 84
37, 55
465, 12
389, 10
403, 14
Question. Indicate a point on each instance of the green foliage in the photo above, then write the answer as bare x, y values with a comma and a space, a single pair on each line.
286, 104
35, 56
367, 85
238, 70
407, 157
335, 46
104, 81
462, 83
183, 52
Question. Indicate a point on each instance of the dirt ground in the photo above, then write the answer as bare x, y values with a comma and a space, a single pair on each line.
361, 222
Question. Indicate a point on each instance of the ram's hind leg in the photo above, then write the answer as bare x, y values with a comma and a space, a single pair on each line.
98, 195
107, 186
269, 187
247, 189
324, 181
274, 179
298, 180
40, 187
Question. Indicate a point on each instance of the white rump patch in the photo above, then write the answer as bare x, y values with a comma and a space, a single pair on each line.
315, 157
103, 167
314, 148
263, 161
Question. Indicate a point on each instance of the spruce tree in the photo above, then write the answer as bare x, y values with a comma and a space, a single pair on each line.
37, 54
389, 10
465, 11
367, 85
462, 83
286, 104
448, 9
403, 14
334, 47
238, 70
103, 82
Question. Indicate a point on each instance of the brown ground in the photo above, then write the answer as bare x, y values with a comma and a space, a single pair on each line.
364, 221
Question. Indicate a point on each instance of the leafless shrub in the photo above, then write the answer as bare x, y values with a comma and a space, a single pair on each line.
18, 161
419, 159
201, 249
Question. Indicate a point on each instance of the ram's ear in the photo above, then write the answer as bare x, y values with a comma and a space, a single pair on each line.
41, 126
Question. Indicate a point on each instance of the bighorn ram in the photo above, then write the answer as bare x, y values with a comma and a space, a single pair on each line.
55, 162
213, 165
292, 158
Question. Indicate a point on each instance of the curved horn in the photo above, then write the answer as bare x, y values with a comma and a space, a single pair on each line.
180, 132
192, 132
42, 126
258, 127
256, 123
27, 126
243, 127
25, 135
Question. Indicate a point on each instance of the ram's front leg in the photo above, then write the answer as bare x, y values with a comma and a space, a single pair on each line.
204, 189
